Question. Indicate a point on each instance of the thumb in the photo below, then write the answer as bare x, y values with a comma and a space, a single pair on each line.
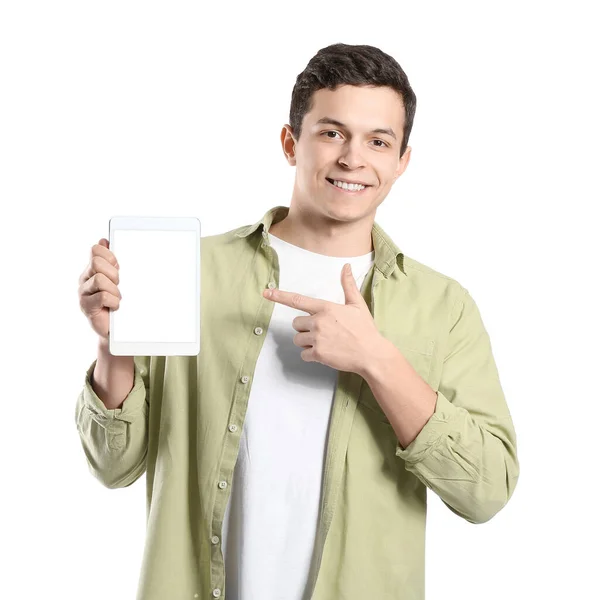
351, 290
103, 242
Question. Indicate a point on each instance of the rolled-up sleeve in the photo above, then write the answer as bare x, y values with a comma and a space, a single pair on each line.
467, 451
115, 441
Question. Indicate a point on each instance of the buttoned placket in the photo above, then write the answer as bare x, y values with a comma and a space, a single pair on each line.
345, 401
233, 428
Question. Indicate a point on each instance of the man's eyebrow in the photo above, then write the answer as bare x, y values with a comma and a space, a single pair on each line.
330, 121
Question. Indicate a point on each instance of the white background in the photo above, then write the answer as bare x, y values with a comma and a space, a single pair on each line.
175, 109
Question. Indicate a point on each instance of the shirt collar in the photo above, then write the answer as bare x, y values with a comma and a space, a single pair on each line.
387, 254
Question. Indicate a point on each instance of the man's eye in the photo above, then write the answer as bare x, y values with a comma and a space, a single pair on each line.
384, 144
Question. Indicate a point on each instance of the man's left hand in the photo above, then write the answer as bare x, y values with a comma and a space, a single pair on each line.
341, 336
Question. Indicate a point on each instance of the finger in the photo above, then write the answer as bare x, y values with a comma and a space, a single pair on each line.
99, 265
304, 339
101, 249
298, 301
99, 282
101, 262
94, 302
303, 323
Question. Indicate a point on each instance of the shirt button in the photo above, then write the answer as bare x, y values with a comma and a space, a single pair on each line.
222, 484
233, 428
258, 330
214, 539
245, 379
271, 284
216, 593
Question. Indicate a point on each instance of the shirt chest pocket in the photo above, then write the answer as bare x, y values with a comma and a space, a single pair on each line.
418, 351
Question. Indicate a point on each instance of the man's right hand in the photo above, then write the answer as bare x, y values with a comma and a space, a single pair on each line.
98, 288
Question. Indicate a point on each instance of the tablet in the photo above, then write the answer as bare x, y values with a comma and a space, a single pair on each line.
159, 281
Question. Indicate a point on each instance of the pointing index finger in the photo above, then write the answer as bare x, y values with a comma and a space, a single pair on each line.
305, 303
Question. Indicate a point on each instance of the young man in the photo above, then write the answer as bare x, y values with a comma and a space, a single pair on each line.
291, 457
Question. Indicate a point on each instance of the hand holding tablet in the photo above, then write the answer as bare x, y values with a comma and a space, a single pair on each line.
146, 303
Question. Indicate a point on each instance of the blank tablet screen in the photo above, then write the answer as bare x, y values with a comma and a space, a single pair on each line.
158, 271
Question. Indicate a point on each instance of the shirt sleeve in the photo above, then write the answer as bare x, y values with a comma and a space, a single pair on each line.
467, 451
115, 441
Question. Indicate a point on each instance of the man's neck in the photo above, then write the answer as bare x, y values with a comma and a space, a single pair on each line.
343, 247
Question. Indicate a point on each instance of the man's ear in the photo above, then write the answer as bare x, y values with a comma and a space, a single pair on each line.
403, 162
288, 144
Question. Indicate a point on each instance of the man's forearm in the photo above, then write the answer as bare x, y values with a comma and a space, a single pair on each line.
113, 376
405, 398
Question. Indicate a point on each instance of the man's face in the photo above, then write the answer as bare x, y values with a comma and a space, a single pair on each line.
349, 150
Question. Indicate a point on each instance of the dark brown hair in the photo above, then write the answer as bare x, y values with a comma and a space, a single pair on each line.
345, 64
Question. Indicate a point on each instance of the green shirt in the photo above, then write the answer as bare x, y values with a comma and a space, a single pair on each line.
182, 420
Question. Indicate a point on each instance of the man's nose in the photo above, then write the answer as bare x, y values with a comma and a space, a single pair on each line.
352, 156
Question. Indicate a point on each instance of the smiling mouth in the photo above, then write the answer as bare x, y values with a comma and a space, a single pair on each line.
341, 189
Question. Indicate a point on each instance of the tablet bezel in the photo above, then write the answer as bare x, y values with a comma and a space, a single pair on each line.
157, 348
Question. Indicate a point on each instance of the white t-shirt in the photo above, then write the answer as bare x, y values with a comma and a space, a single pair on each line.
271, 518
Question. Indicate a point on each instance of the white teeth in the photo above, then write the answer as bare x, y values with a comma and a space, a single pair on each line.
349, 186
